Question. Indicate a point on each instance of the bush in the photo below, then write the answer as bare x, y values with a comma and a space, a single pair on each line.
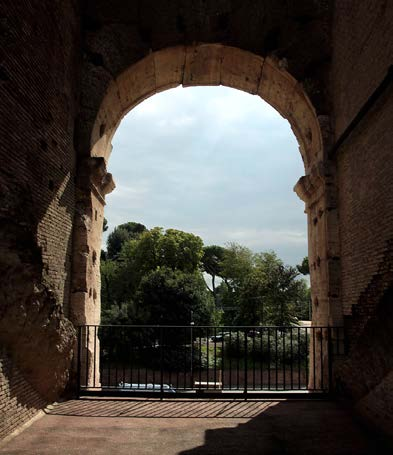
268, 345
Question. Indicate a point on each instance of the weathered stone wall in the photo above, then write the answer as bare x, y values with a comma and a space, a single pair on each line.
18, 399
39, 61
362, 53
58, 63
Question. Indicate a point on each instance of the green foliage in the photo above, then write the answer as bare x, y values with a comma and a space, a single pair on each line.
105, 225
173, 249
172, 297
120, 235
212, 258
304, 267
155, 277
261, 289
236, 264
269, 342
155, 273
270, 292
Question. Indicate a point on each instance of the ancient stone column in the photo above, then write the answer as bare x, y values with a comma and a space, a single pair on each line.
319, 192
93, 184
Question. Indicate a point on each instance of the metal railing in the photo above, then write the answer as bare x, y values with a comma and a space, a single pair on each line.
179, 360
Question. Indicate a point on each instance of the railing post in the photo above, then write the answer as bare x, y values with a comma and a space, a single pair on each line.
245, 365
161, 364
79, 344
192, 357
330, 359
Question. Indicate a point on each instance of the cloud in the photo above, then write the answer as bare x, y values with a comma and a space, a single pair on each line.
214, 161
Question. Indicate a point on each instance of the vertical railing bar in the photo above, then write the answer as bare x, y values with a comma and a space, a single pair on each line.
146, 331
313, 348
200, 359
131, 355
245, 364
109, 357
138, 375
87, 355
100, 356
238, 359
321, 354
307, 358
261, 358
276, 356
185, 359
291, 331
177, 377
222, 369
153, 367
330, 360
116, 360
123, 338
299, 356
192, 357
269, 358
230, 359
253, 359
79, 366
215, 357
95, 356
207, 357
283, 356
161, 363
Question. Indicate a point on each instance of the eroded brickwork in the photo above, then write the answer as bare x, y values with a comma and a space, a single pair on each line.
19, 402
39, 69
63, 67
362, 54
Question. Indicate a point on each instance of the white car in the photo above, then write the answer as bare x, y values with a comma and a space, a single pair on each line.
128, 387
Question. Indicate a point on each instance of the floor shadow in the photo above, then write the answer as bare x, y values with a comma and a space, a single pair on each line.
294, 427
166, 409
243, 427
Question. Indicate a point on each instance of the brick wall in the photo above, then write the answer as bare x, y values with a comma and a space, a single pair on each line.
39, 61
362, 53
19, 402
38, 104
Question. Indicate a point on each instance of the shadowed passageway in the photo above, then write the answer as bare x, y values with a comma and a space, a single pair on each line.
143, 426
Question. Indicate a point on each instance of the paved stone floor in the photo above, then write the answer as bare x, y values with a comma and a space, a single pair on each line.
139, 427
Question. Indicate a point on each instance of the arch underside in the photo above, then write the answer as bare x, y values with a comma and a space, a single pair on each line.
209, 65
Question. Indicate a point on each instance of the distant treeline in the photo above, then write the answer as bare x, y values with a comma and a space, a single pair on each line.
152, 276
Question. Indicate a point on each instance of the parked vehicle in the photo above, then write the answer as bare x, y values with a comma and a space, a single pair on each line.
128, 387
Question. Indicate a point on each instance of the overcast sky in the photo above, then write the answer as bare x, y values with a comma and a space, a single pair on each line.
213, 161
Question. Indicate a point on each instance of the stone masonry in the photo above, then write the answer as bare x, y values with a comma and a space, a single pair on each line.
71, 69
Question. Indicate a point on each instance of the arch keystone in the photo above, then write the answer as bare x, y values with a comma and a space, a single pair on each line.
203, 65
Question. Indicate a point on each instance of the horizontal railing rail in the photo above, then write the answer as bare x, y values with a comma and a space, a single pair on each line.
177, 359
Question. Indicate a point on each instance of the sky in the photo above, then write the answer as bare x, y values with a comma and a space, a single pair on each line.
214, 161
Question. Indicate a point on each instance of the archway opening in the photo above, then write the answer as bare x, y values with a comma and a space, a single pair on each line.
198, 66
219, 164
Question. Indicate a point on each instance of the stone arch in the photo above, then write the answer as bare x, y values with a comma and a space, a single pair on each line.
209, 64
197, 65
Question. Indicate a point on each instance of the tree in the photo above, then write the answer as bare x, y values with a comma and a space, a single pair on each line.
272, 293
174, 249
261, 287
142, 254
120, 235
212, 258
105, 225
171, 296
304, 267
237, 263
